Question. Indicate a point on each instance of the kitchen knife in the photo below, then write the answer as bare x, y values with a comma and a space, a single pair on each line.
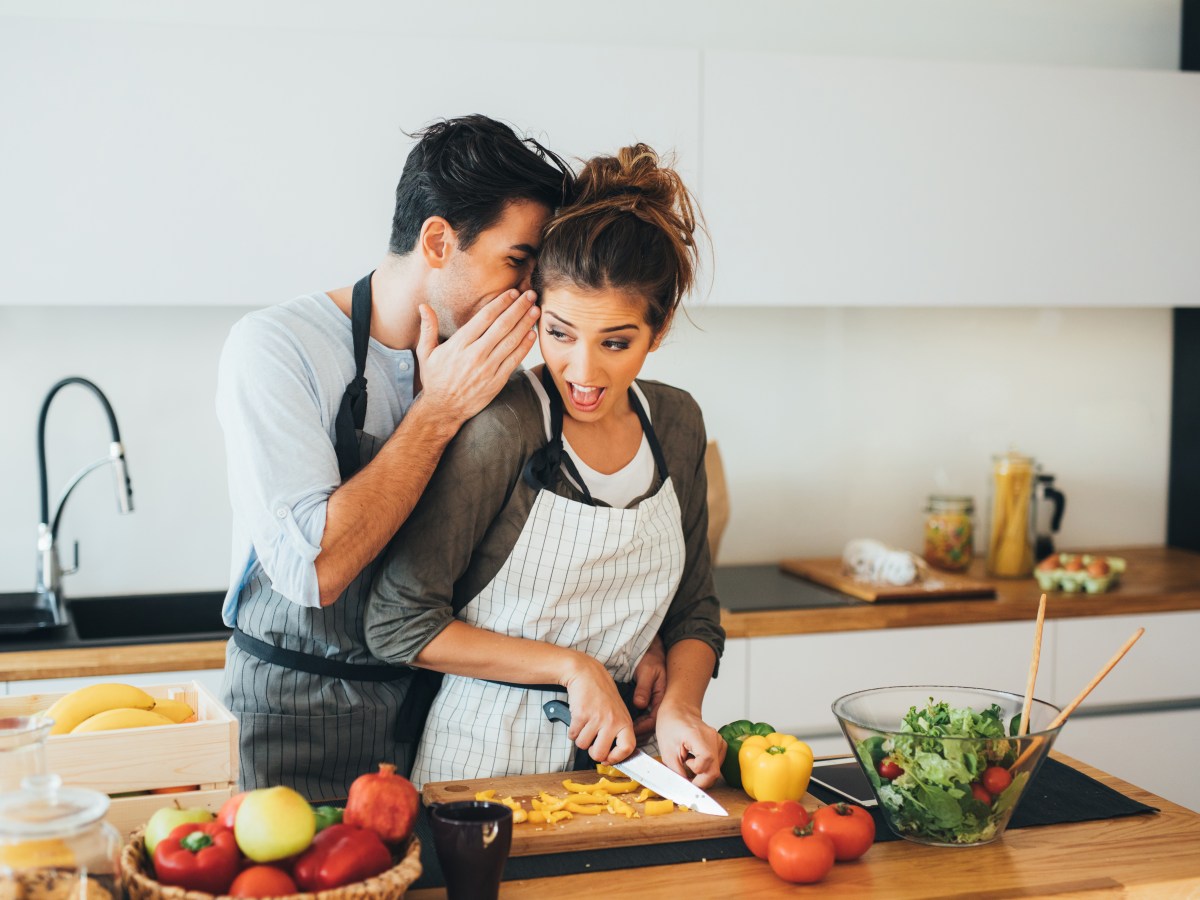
648, 771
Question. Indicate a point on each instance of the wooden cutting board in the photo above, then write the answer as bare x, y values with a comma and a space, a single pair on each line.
605, 830
938, 586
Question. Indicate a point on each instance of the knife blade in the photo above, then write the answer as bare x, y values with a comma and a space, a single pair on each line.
649, 772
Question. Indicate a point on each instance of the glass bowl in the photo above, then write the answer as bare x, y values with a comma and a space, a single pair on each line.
934, 787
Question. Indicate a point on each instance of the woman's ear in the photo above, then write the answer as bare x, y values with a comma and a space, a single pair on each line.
436, 241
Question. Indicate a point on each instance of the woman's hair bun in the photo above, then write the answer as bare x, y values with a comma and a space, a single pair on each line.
631, 225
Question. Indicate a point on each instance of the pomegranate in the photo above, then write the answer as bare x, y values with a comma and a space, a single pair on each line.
384, 802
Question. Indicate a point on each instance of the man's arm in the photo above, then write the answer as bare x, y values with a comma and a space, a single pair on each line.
459, 378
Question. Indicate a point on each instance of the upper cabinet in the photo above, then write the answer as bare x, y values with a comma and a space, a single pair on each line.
173, 164
838, 181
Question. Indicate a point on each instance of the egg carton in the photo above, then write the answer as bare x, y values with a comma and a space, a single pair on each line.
1073, 573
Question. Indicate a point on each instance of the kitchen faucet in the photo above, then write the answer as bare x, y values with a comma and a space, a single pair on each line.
50, 572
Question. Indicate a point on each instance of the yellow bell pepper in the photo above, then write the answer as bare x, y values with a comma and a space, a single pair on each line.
775, 766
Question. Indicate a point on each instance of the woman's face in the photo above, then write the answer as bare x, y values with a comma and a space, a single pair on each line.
594, 344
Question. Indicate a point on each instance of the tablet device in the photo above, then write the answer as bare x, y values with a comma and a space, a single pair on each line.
844, 776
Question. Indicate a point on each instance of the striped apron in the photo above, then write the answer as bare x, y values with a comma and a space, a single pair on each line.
592, 578
315, 709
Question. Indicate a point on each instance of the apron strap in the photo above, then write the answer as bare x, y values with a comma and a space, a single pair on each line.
352, 412
541, 472
317, 665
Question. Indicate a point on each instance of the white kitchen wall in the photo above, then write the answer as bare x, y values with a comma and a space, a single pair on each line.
833, 423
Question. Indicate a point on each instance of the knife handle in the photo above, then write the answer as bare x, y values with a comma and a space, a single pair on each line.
557, 711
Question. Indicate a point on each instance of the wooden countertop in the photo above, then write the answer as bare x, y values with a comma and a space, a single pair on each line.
1157, 579
1145, 855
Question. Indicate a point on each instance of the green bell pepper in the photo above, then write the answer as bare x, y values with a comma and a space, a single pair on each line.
733, 734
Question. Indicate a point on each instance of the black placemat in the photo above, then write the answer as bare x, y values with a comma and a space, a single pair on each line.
1058, 794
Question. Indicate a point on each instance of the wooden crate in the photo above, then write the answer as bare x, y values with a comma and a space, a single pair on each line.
202, 753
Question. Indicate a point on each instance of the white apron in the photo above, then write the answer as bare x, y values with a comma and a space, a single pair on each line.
592, 578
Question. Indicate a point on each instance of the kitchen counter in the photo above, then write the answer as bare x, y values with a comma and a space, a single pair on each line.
1146, 855
1158, 579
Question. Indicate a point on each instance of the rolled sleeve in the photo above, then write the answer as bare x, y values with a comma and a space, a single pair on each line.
281, 460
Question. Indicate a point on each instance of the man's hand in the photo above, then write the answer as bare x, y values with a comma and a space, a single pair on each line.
650, 684
462, 375
689, 746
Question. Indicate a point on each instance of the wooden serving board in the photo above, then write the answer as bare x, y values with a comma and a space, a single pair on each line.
605, 830
938, 586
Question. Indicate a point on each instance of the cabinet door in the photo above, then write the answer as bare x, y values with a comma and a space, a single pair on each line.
262, 162
725, 699
794, 679
1160, 666
841, 181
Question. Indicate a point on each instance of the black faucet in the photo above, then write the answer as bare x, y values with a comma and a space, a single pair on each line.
49, 574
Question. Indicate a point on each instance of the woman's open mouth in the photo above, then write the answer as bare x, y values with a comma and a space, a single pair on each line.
585, 399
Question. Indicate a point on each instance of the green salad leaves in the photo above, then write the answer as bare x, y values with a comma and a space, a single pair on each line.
942, 750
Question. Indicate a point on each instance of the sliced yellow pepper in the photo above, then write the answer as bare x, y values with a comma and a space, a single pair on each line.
645, 795
775, 766
489, 794
537, 817
586, 809
588, 798
608, 787
619, 807
659, 807
552, 817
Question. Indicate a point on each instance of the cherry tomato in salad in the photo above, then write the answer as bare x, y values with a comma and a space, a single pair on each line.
888, 769
851, 829
996, 779
800, 856
763, 818
980, 794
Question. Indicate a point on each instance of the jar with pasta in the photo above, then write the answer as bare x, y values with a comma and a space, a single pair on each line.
949, 532
1011, 516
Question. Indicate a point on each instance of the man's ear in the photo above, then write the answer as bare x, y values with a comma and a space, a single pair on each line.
437, 241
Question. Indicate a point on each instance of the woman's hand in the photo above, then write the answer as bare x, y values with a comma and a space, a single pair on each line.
600, 723
688, 745
650, 684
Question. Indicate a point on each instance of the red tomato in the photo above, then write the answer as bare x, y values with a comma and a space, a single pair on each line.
262, 881
996, 779
800, 856
851, 829
980, 793
888, 769
228, 810
765, 817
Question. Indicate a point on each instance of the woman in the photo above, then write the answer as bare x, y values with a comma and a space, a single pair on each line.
566, 525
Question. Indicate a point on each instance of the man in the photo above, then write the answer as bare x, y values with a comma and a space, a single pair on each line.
320, 479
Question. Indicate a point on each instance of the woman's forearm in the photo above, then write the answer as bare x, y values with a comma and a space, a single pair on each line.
690, 665
462, 649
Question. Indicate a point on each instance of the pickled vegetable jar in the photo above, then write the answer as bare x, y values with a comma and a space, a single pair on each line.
949, 532
54, 843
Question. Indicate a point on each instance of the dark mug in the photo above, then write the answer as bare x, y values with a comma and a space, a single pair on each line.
472, 839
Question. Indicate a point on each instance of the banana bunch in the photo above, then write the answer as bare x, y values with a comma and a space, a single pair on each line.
103, 707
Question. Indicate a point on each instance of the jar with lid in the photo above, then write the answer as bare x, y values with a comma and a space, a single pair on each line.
55, 844
949, 532
1011, 515
22, 749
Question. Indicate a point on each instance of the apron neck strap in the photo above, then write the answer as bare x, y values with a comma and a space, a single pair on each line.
352, 412
541, 472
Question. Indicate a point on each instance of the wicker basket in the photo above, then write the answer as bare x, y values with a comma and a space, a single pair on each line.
384, 886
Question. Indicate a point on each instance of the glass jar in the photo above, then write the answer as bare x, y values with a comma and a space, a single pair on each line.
22, 749
55, 844
1011, 515
949, 532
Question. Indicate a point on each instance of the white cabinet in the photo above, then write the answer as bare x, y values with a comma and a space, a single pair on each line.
245, 165
838, 181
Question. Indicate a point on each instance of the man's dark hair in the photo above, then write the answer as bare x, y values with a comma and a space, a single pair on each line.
467, 170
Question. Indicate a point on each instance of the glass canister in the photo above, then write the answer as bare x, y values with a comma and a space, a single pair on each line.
55, 844
949, 532
22, 749
1011, 515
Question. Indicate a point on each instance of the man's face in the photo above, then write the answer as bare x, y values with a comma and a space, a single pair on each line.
501, 258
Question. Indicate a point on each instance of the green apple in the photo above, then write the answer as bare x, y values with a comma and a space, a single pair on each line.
274, 823
167, 818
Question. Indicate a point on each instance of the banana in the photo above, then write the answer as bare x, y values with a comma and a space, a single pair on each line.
112, 719
73, 708
175, 710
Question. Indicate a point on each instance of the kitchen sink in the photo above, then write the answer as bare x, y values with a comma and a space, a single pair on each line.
190, 616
